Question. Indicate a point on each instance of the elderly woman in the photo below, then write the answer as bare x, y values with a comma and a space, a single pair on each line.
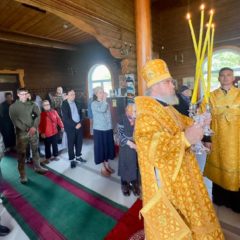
102, 132
49, 122
128, 165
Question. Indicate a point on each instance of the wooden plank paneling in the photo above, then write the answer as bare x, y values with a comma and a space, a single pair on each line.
38, 24
45, 68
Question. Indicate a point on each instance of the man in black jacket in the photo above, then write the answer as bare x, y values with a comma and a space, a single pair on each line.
71, 113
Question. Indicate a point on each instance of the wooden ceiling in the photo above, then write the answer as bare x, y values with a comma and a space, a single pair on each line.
164, 5
19, 22
25, 20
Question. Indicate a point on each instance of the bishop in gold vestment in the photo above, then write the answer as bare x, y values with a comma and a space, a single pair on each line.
176, 204
223, 163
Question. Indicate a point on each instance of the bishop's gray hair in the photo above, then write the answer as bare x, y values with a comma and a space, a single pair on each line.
148, 92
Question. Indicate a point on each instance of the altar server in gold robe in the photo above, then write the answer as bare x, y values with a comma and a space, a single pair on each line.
176, 204
223, 163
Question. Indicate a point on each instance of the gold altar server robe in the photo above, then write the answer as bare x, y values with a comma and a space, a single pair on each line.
223, 163
163, 148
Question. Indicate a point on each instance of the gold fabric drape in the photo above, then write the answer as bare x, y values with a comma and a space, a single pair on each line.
186, 190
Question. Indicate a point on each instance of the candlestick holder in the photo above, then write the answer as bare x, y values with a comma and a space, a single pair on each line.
207, 130
197, 148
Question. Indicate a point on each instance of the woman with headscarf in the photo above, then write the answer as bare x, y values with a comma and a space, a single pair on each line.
128, 166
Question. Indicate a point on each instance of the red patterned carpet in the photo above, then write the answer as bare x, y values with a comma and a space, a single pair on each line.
129, 227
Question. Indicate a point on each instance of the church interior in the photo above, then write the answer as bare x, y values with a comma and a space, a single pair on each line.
80, 45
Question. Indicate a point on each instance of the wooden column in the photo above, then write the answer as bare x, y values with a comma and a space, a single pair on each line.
144, 39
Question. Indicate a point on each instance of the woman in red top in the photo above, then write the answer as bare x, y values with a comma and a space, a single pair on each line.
48, 130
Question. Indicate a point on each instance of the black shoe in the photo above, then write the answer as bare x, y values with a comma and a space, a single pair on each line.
29, 160
135, 188
73, 164
79, 159
126, 189
4, 230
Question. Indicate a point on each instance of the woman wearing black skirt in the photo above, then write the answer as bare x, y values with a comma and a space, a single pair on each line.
102, 132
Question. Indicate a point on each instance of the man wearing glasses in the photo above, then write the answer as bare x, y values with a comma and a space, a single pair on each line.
25, 116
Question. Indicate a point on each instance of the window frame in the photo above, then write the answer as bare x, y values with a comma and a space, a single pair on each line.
225, 48
102, 81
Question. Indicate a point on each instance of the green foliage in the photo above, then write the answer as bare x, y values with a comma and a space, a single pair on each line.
222, 58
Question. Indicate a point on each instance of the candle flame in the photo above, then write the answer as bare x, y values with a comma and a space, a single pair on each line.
213, 25
202, 6
212, 11
188, 16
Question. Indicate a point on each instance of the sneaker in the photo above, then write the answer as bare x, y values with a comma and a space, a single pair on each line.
40, 170
79, 159
73, 164
23, 180
4, 230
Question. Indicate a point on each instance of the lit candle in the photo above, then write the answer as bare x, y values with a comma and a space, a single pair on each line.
192, 32
200, 61
201, 31
207, 36
198, 55
194, 96
210, 53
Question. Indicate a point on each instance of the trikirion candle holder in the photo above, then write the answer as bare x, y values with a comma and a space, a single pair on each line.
203, 47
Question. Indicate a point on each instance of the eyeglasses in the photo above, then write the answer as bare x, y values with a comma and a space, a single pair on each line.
22, 94
169, 81
44, 105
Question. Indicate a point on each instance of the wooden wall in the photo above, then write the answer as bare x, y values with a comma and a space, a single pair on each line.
90, 54
45, 68
111, 22
171, 35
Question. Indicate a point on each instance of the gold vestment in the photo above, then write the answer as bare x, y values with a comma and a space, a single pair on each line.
161, 145
223, 162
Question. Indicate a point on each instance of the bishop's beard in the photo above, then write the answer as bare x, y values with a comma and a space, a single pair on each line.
170, 100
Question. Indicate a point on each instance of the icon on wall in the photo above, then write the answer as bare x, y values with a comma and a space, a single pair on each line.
130, 84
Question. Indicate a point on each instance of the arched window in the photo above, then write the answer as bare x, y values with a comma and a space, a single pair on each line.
224, 57
99, 75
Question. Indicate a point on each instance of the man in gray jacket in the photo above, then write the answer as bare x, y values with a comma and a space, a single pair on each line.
25, 116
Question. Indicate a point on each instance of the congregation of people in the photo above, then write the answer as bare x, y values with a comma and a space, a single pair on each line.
155, 133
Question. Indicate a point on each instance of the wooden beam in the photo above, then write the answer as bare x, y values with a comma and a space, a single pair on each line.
144, 39
34, 41
109, 35
58, 10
